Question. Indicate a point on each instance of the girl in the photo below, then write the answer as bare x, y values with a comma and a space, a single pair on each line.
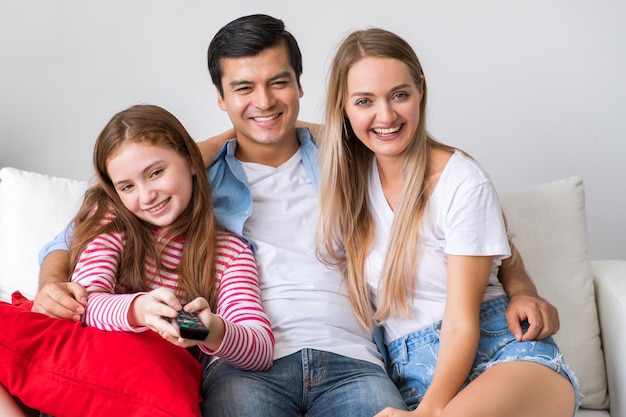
146, 244
417, 230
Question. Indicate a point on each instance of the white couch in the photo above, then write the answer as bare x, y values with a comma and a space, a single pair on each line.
549, 227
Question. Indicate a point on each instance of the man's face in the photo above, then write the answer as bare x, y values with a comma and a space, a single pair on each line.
262, 99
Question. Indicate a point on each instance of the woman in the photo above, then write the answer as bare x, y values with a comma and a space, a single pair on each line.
417, 229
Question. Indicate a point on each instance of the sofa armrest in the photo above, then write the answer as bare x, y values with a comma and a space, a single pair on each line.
610, 290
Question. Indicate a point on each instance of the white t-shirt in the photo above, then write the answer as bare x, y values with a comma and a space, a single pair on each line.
463, 217
307, 302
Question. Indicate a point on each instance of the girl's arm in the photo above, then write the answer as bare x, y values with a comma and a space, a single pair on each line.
467, 278
96, 271
248, 339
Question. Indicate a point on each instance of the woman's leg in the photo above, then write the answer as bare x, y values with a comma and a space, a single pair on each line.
8, 406
515, 389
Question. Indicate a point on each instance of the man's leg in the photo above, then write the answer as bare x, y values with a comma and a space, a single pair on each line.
230, 392
306, 383
342, 386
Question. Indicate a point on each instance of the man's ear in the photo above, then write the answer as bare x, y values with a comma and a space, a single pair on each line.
220, 100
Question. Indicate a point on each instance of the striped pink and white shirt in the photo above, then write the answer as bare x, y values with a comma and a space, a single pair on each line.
248, 342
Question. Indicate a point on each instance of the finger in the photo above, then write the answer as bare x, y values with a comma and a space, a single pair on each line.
55, 300
535, 324
514, 324
197, 304
167, 297
52, 309
78, 292
533, 332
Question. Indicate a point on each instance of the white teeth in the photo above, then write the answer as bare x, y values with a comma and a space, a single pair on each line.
158, 207
387, 131
265, 119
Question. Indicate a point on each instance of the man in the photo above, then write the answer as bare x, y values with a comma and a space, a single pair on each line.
264, 185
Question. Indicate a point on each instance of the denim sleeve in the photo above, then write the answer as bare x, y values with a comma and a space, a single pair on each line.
60, 242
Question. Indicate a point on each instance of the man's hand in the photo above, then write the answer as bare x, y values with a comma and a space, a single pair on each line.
64, 300
542, 316
525, 303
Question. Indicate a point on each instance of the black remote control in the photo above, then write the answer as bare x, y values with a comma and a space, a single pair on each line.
190, 326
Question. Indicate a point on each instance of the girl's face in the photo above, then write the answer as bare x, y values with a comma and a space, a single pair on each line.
153, 182
382, 104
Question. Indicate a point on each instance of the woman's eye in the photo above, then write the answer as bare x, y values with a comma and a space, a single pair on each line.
126, 188
362, 102
400, 96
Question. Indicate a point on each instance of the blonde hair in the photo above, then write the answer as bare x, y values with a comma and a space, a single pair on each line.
345, 230
197, 224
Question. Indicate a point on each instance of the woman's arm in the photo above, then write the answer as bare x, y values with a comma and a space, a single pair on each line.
467, 278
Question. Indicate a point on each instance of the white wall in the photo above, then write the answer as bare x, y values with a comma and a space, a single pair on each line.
534, 90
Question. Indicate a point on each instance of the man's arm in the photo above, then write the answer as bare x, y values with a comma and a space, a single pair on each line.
57, 297
209, 148
525, 302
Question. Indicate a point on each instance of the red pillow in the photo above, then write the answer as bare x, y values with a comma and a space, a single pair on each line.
62, 368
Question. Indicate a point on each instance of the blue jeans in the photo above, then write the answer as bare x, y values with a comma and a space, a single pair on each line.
306, 383
412, 358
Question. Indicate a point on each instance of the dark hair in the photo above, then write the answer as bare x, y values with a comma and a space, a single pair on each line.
248, 36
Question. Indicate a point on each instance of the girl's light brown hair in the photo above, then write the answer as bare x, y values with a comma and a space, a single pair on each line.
152, 125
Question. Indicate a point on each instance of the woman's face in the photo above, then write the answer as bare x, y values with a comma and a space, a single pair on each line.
383, 105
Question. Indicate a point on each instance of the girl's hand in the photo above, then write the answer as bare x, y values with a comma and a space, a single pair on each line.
156, 310
201, 307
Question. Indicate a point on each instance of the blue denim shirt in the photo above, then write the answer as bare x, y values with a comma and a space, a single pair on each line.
229, 186
230, 191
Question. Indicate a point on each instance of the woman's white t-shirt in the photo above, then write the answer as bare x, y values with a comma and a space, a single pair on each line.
463, 217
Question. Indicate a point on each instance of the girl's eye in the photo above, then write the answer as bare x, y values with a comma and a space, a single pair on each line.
156, 173
126, 188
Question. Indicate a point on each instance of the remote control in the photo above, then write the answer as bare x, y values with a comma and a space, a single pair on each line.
190, 326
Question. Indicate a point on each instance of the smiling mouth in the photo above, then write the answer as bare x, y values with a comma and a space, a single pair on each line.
387, 132
262, 119
158, 206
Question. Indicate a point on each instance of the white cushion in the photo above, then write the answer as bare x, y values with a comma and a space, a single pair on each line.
33, 209
550, 230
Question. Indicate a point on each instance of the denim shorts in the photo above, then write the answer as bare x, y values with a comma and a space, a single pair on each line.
412, 358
